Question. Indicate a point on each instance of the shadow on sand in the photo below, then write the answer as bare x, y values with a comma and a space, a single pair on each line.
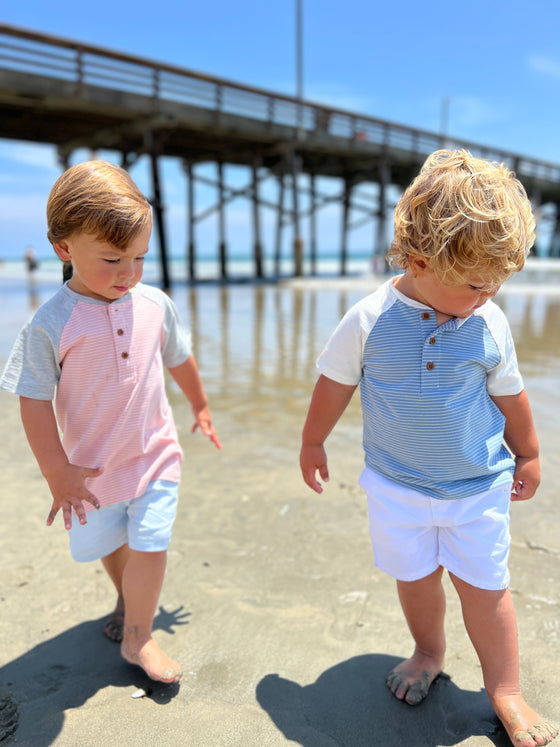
64, 672
350, 706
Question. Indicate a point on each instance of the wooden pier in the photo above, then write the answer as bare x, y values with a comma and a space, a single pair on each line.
73, 95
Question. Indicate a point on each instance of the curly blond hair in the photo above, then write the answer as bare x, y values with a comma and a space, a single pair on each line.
98, 198
466, 218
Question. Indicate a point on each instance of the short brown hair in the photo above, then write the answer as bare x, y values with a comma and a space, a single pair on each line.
98, 198
465, 217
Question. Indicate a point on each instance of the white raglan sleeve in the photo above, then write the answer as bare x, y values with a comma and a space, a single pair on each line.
341, 359
505, 378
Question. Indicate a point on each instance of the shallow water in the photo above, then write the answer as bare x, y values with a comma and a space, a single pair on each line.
260, 341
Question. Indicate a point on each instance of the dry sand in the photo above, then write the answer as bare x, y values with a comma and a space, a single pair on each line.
272, 604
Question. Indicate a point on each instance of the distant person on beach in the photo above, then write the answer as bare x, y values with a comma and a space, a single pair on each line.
98, 348
30, 261
440, 391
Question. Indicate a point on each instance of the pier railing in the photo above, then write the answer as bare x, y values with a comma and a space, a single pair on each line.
81, 65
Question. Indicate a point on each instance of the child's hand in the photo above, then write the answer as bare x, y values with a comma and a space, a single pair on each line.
69, 490
204, 422
313, 458
526, 478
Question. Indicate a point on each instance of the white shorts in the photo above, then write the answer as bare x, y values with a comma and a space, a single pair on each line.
413, 534
144, 523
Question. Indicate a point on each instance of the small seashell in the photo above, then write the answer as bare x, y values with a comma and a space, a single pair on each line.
140, 693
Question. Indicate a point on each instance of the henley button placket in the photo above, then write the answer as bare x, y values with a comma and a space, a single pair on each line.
429, 356
121, 341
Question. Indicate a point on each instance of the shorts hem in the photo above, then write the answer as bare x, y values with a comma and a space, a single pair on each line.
95, 556
416, 576
152, 548
477, 584
419, 575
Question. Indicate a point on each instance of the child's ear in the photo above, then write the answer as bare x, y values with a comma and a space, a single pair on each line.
417, 265
61, 249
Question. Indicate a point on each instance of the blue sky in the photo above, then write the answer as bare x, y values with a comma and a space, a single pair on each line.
497, 63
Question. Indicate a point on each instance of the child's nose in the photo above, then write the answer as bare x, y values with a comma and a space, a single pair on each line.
126, 269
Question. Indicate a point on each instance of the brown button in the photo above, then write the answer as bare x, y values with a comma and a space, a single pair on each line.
120, 331
430, 366
432, 340
426, 315
124, 355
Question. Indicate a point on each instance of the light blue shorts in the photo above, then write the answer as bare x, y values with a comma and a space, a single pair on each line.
144, 523
413, 535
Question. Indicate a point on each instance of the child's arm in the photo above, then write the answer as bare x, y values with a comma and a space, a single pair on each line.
521, 438
66, 481
329, 401
188, 378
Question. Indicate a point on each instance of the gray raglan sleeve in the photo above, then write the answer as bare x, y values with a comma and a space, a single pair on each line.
33, 368
177, 342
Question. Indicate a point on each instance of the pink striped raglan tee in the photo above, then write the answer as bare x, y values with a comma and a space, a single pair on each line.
103, 364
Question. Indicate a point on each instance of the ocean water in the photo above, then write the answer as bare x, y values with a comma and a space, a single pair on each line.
259, 332
240, 268
261, 339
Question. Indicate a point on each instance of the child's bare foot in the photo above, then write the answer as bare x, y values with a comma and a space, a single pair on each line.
411, 680
524, 726
157, 665
113, 628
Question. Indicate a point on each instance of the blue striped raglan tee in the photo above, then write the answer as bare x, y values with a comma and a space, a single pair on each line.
429, 421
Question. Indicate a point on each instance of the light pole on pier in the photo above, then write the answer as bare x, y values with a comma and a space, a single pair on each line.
444, 119
299, 50
298, 241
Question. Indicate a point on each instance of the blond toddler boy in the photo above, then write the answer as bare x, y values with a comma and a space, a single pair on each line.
441, 392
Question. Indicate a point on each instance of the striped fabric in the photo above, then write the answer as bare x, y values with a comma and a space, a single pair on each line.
429, 421
103, 364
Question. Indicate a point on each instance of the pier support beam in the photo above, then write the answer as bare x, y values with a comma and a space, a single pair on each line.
345, 222
298, 241
158, 208
64, 161
554, 247
380, 248
279, 224
191, 265
313, 225
257, 250
222, 222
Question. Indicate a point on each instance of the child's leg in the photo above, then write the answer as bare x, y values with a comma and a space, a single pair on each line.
423, 604
490, 621
114, 565
142, 580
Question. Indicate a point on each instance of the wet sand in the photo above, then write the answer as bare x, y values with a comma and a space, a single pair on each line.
271, 602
